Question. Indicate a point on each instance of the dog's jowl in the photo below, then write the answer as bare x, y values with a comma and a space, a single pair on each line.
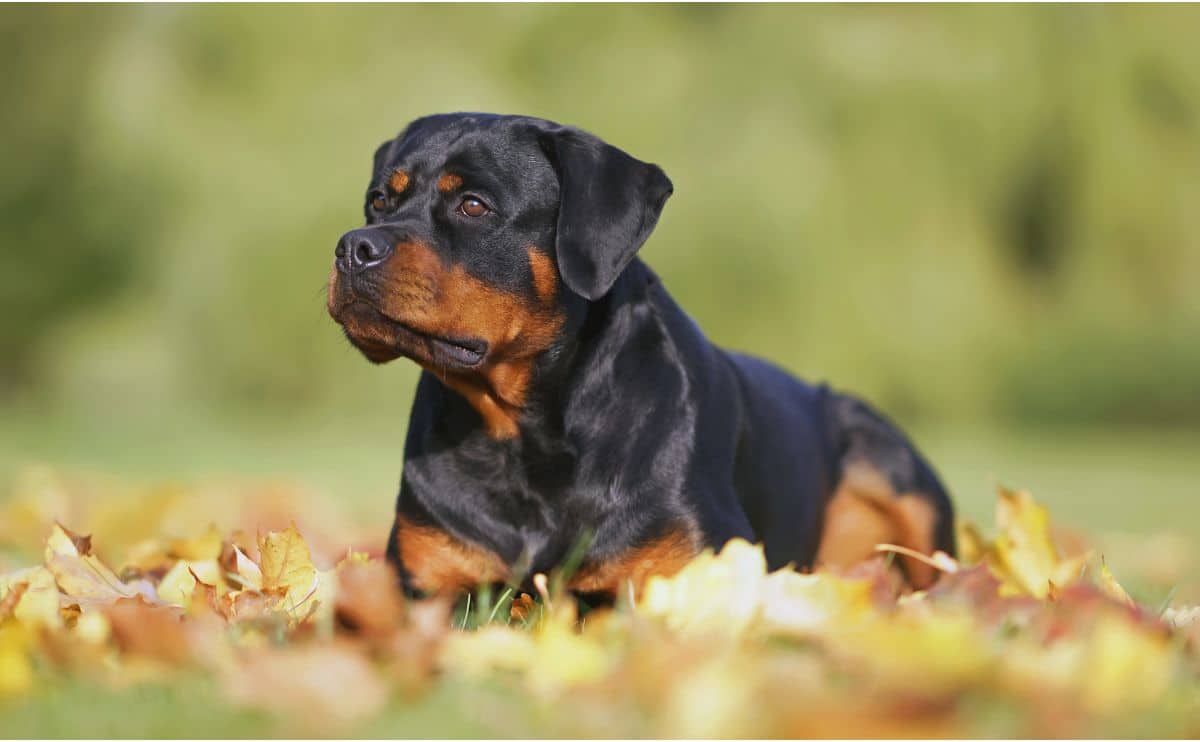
565, 396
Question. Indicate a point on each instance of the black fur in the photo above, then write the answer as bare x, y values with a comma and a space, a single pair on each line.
634, 424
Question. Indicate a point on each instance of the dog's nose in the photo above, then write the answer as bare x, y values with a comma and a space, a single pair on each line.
361, 248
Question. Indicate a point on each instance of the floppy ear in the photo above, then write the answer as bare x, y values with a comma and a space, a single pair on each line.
609, 203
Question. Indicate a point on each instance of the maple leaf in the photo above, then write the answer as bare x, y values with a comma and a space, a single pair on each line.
1023, 555
287, 567
82, 577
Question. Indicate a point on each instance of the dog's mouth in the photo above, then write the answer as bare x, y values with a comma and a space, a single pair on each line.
382, 338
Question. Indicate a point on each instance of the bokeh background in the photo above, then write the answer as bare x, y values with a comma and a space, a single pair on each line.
985, 219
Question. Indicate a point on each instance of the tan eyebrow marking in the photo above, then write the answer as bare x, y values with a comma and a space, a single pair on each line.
399, 181
448, 182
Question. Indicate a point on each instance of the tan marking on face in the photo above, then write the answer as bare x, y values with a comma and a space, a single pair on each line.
545, 276
664, 556
865, 511
399, 181
331, 291
438, 563
423, 293
448, 182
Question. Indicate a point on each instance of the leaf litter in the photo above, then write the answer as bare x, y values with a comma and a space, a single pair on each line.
1044, 639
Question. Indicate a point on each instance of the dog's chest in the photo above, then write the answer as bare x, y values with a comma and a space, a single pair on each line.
508, 519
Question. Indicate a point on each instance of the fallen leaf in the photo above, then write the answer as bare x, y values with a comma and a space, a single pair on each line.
310, 687
287, 566
146, 630
16, 671
36, 603
521, 608
805, 604
718, 594
179, 582
245, 572
1023, 554
368, 599
82, 577
1108, 583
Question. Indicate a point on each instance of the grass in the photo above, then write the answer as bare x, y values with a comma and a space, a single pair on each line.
1098, 480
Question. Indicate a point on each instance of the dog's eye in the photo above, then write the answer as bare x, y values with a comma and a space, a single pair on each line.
471, 206
378, 201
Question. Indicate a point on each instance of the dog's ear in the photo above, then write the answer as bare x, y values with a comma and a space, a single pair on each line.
609, 203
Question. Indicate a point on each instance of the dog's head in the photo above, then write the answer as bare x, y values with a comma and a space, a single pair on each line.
482, 232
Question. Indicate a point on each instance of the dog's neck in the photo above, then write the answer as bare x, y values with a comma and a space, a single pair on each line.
530, 402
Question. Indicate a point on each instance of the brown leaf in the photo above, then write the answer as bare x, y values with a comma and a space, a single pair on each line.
146, 630
522, 607
368, 599
322, 687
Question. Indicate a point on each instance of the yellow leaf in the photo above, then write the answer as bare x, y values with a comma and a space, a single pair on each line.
937, 651
564, 659
62, 542
82, 577
38, 603
178, 584
16, 671
1108, 583
353, 557
720, 594
247, 572
715, 699
551, 659
972, 547
203, 547
93, 628
491, 648
287, 566
808, 603
1128, 667
1023, 554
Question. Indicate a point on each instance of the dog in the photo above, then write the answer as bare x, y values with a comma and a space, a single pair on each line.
568, 407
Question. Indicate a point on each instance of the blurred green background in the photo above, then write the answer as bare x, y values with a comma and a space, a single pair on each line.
983, 218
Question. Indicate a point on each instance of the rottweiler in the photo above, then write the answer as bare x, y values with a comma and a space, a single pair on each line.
567, 405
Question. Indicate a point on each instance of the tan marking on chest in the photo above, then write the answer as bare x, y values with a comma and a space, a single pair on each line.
865, 511
438, 563
664, 556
